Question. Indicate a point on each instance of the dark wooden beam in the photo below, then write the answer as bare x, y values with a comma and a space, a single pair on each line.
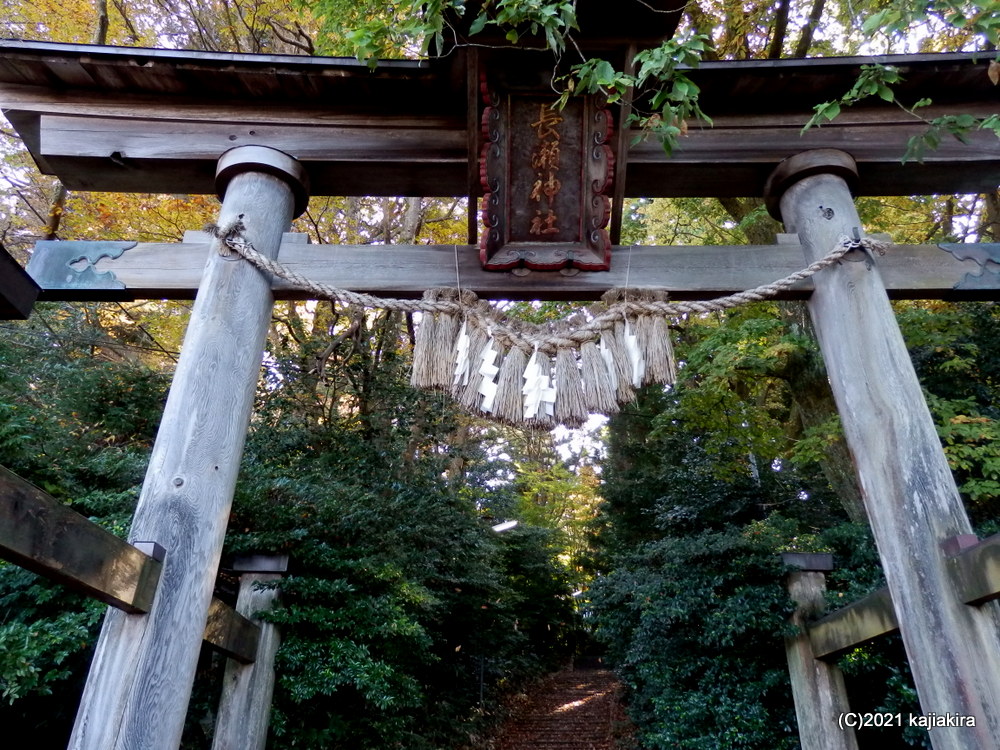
975, 571
46, 537
42, 535
156, 120
18, 291
745, 148
230, 633
975, 574
853, 625
124, 271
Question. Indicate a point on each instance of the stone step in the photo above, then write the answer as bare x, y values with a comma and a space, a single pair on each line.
571, 710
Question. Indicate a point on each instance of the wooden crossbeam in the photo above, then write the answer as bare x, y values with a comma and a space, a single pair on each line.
230, 633
975, 571
975, 574
850, 626
46, 537
51, 539
126, 271
104, 118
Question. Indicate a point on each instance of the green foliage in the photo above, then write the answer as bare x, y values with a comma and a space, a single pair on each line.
677, 617
954, 349
899, 17
400, 592
705, 485
401, 601
957, 126
554, 19
874, 80
370, 30
877, 80
43, 639
672, 96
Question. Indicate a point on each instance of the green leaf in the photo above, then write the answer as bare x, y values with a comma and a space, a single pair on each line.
478, 24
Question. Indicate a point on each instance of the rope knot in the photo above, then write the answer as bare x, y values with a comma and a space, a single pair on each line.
229, 238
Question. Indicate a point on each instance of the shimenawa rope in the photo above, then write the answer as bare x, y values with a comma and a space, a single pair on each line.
461, 337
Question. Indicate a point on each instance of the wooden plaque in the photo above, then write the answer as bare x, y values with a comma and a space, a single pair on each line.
546, 175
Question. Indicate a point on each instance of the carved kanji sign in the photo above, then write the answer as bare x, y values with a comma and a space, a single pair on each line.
546, 175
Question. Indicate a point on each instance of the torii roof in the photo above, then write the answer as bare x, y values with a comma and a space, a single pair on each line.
150, 120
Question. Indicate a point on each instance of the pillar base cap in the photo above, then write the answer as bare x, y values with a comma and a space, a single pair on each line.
806, 164
269, 161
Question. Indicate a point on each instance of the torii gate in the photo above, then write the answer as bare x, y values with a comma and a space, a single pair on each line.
256, 127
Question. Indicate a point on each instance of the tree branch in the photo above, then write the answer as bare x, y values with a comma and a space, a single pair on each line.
780, 28
805, 40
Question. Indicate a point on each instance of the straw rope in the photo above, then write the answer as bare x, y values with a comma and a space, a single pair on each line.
569, 332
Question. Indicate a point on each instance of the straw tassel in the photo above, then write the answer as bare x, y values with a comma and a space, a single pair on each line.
432, 352
570, 405
509, 406
597, 388
653, 337
617, 359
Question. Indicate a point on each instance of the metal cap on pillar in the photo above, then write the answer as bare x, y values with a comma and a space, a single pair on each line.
806, 164
269, 161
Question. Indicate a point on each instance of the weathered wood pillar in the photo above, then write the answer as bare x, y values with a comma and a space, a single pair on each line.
907, 486
817, 687
140, 679
245, 706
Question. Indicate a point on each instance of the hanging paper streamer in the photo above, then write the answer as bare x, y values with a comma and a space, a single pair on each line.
568, 375
636, 358
463, 364
539, 393
488, 371
635, 344
466, 390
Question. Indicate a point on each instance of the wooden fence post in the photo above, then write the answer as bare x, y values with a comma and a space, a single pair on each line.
909, 493
817, 687
140, 679
245, 706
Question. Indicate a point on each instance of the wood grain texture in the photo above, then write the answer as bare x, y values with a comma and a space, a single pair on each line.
163, 270
910, 495
187, 139
96, 151
245, 706
139, 685
817, 687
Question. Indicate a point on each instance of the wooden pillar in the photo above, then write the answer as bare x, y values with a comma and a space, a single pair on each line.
817, 687
245, 706
910, 495
140, 679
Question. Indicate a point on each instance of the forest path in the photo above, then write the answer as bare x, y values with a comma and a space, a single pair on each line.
576, 709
